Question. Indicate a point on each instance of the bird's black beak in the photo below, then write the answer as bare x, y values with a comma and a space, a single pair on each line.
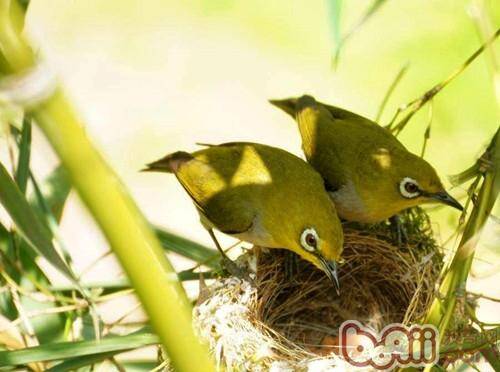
445, 198
330, 268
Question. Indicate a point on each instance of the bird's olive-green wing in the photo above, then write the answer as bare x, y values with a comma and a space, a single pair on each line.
207, 179
337, 142
346, 122
320, 142
363, 128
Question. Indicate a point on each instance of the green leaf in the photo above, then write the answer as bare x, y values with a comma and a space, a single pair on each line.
189, 249
114, 211
340, 42
74, 363
51, 195
48, 202
65, 350
89, 330
4, 235
129, 366
123, 283
139, 366
48, 327
27, 222
23, 164
334, 12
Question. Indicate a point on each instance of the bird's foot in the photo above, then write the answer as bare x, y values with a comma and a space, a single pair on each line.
399, 231
234, 269
291, 265
229, 265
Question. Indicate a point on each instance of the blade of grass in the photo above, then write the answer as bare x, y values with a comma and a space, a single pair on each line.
129, 366
141, 366
134, 243
123, 283
23, 165
7, 308
490, 353
370, 11
392, 87
48, 327
44, 209
65, 350
74, 363
334, 8
38, 239
189, 249
51, 195
28, 223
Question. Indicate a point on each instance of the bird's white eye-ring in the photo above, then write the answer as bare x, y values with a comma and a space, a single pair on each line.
409, 188
309, 239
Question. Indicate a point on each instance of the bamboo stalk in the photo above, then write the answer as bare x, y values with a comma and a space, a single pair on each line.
128, 234
453, 284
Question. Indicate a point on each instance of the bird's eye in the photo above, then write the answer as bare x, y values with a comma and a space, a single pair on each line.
309, 239
409, 188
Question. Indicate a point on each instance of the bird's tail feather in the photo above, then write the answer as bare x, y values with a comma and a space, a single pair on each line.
288, 105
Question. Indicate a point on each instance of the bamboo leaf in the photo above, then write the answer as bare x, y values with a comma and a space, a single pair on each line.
7, 308
369, 12
65, 350
334, 8
33, 230
4, 235
189, 249
48, 202
123, 283
130, 237
129, 366
74, 363
51, 195
23, 165
402, 71
140, 366
48, 327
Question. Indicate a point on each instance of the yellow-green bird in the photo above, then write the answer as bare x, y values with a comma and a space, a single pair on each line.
262, 195
369, 174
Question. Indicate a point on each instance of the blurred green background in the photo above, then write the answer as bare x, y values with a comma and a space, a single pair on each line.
153, 76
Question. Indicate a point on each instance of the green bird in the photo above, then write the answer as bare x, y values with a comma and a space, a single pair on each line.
368, 173
262, 195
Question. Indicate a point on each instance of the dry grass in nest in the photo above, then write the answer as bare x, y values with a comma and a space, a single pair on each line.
296, 313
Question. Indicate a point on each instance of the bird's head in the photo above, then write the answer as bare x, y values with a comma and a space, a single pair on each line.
321, 242
408, 180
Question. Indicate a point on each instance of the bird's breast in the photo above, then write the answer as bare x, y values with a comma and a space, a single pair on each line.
348, 202
257, 234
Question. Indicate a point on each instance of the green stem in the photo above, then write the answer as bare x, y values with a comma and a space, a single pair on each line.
453, 284
128, 234
473, 343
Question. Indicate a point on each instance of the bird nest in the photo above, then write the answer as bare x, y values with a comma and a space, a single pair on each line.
289, 316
